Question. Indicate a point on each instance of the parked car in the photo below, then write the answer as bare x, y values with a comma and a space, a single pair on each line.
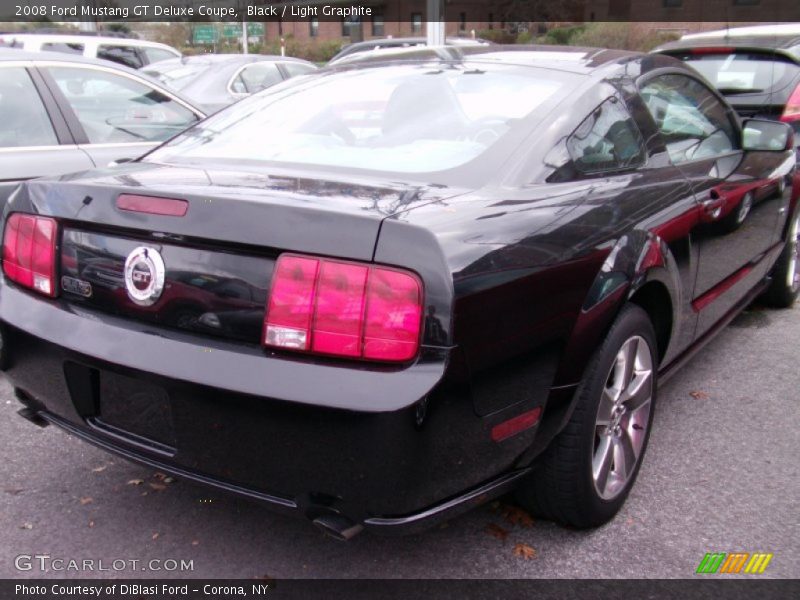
378, 45
129, 52
756, 68
215, 81
67, 113
423, 283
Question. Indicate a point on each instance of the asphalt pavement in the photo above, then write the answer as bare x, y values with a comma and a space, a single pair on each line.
721, 475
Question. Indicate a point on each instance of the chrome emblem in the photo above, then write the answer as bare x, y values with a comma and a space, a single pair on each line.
144, 275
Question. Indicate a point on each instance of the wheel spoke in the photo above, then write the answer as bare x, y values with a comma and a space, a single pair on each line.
628, 352
624, 457
605, 408
601, 463
639, 391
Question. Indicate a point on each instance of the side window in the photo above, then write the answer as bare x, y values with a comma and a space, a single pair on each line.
256, 77
24, 119
124, 55
694, 124
157, 54
607, 140
115, 109
294, 69
63, 47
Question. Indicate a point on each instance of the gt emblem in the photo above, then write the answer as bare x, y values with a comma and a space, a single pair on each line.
144, 275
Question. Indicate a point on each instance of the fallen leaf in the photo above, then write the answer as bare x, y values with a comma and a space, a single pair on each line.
159, 476
524, 551
516, 516
136, 482
168, 480
699, 395
87, 500
155, 536
91, 523
99, 469
26, 526
195, 542
159, 487
497, 531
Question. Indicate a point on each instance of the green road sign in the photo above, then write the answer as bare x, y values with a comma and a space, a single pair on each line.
231, 30
255, 29
204, 34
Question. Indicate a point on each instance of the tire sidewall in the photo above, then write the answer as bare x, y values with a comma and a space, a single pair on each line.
632, 321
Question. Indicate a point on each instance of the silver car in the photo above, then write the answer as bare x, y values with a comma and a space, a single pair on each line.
67, 113
215, 81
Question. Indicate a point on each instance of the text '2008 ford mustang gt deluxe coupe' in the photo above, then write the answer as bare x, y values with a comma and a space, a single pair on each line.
383, 293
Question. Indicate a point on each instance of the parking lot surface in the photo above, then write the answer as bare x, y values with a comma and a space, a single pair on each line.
721, 475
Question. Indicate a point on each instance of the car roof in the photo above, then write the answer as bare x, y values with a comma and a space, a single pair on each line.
574, 59
16, 54
227, 58
83, 39
781, 29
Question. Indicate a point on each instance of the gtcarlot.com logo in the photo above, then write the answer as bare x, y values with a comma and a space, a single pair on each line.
734, 562
46, 563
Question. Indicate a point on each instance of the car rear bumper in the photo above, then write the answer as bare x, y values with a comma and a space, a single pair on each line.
393, 449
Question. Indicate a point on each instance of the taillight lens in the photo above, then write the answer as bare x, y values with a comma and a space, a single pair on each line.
344, 309
792, 110
29, 252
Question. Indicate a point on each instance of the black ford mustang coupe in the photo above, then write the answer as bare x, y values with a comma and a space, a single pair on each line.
383, 293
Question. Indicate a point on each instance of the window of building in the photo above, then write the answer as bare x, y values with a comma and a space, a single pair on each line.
378, 25
313, 27
491, 21
462, 22
416, 22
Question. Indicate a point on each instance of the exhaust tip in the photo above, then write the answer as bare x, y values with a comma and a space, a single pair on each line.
33, 416
338, 527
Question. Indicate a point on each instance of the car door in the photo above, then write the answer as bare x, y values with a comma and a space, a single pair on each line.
34, 139
739, 206
114, 115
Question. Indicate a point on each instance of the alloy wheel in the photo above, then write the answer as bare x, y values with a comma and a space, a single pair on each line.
793, 272
744, 208
622, 418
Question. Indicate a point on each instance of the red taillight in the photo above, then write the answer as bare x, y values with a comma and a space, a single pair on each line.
344, 309
29, 252
792, 110
169, 207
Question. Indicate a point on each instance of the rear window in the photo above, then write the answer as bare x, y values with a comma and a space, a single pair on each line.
124, 55
177, 75
405, 119
63, 47
743, 72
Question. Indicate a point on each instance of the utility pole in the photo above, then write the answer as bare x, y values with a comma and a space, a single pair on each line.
435, 25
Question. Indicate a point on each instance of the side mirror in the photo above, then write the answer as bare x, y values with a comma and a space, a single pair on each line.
766, 136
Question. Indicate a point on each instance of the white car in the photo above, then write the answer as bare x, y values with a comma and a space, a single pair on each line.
125, 51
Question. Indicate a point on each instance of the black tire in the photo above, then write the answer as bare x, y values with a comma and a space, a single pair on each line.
785, 286
562, 487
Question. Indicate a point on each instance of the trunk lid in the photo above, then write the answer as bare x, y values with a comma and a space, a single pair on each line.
218, 258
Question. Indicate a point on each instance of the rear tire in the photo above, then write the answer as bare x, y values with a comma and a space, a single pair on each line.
785, 286
586, 473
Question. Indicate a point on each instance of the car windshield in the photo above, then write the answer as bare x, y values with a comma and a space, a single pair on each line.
743, 72
410, 118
